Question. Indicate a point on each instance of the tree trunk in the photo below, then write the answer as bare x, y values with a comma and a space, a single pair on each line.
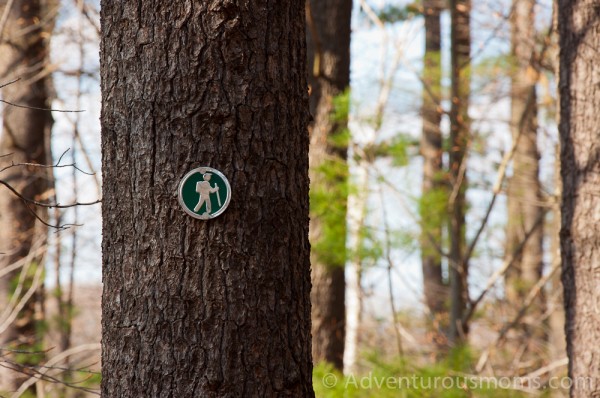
357, 215
524, 188
460, 37
25, 133
328, 77
433, 190
214, 308
554, 300
579, 30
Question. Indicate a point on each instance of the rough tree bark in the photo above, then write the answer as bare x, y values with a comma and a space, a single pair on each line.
25, 139
328, 38
212, 308
579, 30
460, 37
524, 191
433, 188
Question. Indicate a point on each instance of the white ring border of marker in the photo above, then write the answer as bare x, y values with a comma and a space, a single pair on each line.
202, 170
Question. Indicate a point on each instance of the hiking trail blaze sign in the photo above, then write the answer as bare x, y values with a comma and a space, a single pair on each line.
204, 193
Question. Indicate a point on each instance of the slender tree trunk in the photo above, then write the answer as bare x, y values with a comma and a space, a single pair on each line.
579, 30
460, 37
221, 307
328, 39
357, 214
556, 321
24, 139
433, 188
557, 338
524, 188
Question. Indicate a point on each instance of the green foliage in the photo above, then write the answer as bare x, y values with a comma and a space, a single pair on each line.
433, 209
492, 68
328, 199
369, 248
406, 240
341, 107
340, 139
398, 13
26, 394
91, 380
330, 188
29, 353
62, 322
396, 148
432, 78
28, 278
448, 378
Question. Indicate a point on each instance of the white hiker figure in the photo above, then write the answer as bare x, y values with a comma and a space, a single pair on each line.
204, 189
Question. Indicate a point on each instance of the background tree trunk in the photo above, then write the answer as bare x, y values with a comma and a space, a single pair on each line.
328, 40
25, 139
205, 308
579, 30
460, 37
524, 188
433, 188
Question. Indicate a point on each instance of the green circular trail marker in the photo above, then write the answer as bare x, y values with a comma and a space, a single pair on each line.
204, 193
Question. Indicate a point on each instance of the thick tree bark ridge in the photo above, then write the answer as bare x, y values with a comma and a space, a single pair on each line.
579, 30
193, 308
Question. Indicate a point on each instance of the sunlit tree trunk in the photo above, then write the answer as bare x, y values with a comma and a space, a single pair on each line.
328, 77
579, 30
216, 308
434, 192
460, 37
357, 214
25, 134
524, 194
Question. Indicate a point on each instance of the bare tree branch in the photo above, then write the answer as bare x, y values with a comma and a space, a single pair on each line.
4, 19
40, 109
48, 205
502, 270
522, 311
46, 368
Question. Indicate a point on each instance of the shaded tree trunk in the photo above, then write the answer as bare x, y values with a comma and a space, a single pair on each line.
579, 30
524, 196
434, 191
211, 308
25, 139
460, 37
328, 39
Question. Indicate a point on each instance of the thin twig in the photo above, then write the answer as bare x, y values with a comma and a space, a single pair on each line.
508, 326
47, 205
389, 271
46, 166
502, 270
546, 369
18, 264
54, 360
34, 285
41, 109
9, 83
